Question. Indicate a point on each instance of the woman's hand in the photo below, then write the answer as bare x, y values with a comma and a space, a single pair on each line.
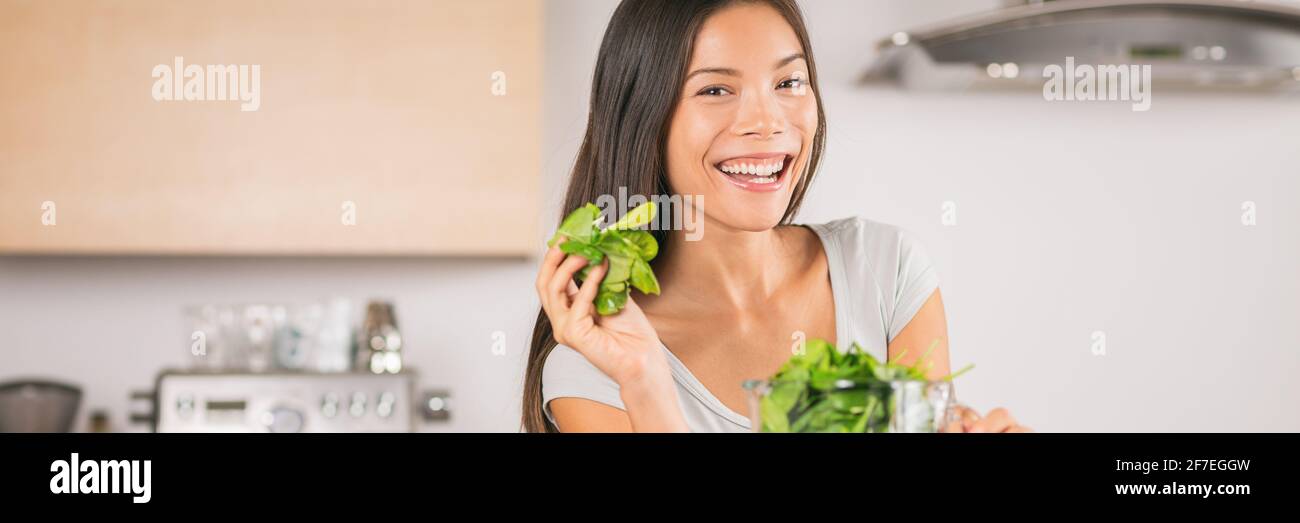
997, 420
624, 346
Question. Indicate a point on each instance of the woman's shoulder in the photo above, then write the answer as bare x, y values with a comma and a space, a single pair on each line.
856, 231
567, 373
884, 253
883, 264
566, 364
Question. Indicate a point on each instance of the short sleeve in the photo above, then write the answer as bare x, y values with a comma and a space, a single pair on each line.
567, 374
888, 273
915, 282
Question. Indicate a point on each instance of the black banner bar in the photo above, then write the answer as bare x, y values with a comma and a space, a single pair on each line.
1180, 471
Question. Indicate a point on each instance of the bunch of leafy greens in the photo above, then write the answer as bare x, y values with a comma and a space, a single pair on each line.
628, 249
825, 390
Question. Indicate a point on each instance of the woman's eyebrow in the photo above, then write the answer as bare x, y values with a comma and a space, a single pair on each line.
785, 61
715, 70
727, 71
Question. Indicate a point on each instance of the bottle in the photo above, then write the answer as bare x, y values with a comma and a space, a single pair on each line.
379, 347
99, 422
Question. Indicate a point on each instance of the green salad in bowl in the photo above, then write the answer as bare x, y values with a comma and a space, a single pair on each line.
823, 389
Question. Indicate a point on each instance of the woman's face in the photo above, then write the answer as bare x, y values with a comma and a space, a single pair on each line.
743, 130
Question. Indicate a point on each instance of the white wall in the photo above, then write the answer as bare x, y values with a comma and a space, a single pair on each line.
1071, 218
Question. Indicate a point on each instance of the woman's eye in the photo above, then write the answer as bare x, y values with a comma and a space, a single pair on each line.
714, 91
792, 83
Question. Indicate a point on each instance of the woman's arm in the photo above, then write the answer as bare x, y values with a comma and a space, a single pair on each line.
584, 415
651, 407
930, 324
928, 327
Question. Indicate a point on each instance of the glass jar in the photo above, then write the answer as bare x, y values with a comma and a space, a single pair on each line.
852, 406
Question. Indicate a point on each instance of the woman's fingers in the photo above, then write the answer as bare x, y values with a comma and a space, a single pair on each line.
550, 262
965, 419
959, 418
558, 286
582, 302
998, 420
563, 300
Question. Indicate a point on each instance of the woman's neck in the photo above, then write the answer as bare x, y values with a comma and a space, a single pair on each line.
731, 267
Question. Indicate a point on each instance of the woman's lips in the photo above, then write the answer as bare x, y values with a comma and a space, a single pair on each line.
766, 172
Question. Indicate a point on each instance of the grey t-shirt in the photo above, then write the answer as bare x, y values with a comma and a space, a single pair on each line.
880, 277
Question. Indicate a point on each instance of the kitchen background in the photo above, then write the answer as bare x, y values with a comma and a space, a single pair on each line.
1072, 218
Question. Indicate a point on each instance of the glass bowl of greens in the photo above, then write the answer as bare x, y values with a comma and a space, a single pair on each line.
823, 389
854, 406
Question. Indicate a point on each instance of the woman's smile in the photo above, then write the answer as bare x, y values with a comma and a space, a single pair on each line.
758, 172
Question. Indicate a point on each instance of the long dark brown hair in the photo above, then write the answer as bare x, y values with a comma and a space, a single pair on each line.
640, 68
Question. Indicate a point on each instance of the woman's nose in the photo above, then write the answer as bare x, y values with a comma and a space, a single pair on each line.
760, 114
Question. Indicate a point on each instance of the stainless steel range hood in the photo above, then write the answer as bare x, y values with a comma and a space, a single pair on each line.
1225, 44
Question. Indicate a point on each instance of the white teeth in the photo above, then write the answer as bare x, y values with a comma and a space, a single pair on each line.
766, 170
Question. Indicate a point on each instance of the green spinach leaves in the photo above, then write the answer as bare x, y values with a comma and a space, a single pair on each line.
628, 248
825, 390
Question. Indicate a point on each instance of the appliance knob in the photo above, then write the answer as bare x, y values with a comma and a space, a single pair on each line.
283, 419
185, 406
385, 406
357, 407
329, 406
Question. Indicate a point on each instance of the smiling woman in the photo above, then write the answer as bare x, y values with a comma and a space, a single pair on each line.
717, 100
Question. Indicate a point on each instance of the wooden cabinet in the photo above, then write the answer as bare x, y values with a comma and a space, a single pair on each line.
421, 118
